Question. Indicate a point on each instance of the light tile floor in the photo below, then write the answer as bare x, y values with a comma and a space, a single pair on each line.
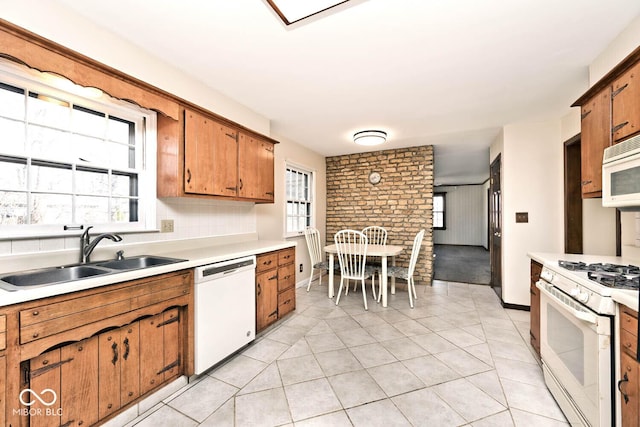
457, 359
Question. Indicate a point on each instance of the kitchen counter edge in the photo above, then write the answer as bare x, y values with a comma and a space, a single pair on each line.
194, 258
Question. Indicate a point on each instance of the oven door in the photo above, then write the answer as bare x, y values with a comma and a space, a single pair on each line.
575, 349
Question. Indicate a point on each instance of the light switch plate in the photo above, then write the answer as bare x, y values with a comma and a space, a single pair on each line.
522, 216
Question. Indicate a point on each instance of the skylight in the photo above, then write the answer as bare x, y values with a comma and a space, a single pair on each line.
291, 11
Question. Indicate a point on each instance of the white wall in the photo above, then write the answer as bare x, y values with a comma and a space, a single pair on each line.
192, 217
532, 165
465, 215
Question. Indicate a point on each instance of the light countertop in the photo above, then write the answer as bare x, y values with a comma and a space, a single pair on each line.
620, 296
197, 255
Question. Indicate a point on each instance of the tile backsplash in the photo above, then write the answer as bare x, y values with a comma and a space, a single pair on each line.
192, 218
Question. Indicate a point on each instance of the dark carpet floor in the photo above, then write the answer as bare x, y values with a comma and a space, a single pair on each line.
465, 264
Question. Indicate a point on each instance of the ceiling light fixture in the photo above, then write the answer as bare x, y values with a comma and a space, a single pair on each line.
291, 11
370, 137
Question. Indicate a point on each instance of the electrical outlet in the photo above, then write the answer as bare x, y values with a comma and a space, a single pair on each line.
300, 268
166, 226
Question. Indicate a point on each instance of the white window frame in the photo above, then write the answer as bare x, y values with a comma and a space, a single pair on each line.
146, 137
289, 164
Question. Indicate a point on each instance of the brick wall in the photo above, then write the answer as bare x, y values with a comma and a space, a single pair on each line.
402, 202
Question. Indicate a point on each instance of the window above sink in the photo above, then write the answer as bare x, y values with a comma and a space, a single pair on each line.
70, 159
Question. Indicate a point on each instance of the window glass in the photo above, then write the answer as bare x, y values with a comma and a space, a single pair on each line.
11, 102
67, 160
299, 192
13, 208
47, 110
439, 214
51, 177
50, 209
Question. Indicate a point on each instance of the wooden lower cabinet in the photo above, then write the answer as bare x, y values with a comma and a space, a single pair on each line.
94, 378
534, 331
629, 381
137, 340
275, 286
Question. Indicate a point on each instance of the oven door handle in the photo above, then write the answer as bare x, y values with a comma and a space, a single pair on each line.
585, 316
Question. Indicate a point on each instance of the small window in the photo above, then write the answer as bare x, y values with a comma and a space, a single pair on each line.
69, 160
439, 213
299, 200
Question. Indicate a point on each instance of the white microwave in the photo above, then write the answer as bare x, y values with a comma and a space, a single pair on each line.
621, 175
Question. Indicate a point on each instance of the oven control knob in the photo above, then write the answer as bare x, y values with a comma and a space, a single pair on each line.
583, 297
574, 292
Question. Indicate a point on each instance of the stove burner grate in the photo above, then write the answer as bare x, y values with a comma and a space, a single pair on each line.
615, 280
610, 275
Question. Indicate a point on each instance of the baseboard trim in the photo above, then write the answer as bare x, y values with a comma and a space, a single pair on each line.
515, 306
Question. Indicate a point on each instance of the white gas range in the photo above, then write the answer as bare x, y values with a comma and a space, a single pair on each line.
577, 320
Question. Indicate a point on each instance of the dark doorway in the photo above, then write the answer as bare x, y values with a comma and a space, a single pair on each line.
495, 225
572, 196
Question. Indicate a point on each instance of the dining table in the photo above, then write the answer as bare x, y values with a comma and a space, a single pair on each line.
379, 251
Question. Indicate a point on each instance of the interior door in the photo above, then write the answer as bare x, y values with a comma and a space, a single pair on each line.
495, 226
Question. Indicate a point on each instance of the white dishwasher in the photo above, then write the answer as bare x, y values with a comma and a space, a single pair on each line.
225, 310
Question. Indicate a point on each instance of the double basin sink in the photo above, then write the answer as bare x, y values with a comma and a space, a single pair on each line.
54, 275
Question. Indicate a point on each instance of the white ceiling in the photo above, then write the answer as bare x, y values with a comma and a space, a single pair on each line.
444, 72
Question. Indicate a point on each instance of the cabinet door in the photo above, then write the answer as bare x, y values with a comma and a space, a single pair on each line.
255, 168
198, 153
596, 136
629, 386
109, 353
625, 104
266, 298
45, 374
225, 161
151, 353
79, 383
159, 347
118, 360
130, 363
172, 363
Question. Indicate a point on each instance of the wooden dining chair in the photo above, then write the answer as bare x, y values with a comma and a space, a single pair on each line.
312, 235
376, 235
406, 273
351, 246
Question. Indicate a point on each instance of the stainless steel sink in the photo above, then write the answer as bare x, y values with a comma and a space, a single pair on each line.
138, 262
49, 276
55, 275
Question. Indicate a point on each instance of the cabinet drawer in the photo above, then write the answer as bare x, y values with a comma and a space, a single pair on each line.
629, 320
286, 277
55, 317
286, 256
266, 261
286, 302
628, 343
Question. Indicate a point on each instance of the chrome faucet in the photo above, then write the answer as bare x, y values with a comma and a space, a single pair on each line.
87, 246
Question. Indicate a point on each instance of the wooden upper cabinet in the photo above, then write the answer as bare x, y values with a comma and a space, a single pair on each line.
210, 156
255, 168
200, 156
596, 136
625, 104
